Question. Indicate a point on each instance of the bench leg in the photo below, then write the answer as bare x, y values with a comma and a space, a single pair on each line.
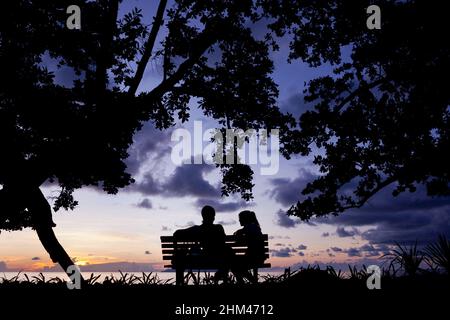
179, 276
255, 275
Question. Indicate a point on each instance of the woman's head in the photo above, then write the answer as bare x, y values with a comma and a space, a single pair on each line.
247, 217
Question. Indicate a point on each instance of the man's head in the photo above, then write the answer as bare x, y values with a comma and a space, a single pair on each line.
208, 214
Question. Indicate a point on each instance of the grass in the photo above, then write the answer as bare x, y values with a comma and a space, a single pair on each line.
437, 255
406, 265
409, 259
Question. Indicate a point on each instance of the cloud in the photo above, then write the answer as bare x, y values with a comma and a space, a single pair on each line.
353, 252
302, 247
187, 225
35, 258
145, 204
123, 266
288, 191
279, 237
283, 220
227, 223
149, 143
366, 250
165, 228
325, 234
301, 254
405, 219
147, 252
283, 252
3, 266
296, 105
223, 206
147, 186
342, 233
186, 180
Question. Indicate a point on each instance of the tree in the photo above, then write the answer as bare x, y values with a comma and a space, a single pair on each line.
383, 118
78, 135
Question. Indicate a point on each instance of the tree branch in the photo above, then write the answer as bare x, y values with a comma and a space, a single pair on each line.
380, 186
104, 58
157, 22
353, 94
205, 40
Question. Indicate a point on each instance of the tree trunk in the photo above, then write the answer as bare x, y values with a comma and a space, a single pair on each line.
43, 224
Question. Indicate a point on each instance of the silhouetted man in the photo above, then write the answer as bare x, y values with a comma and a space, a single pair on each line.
210, 235
212, 243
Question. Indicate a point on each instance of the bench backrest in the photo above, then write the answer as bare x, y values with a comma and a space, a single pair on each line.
170, 245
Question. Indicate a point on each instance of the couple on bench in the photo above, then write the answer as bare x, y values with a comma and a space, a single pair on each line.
213, 246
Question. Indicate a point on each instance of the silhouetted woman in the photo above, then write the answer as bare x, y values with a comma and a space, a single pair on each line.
251, 234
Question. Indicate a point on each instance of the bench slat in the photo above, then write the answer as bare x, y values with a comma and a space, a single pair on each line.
169, 266
229, 238
170, 257
190, 244
235, 250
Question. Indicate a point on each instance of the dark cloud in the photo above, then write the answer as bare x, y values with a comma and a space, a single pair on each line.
186, 180
145, 204
165, 228
223, 206
288, 191
296, 105
283, 252
283, 220
405, 219
279, 237
148, 143
353, 252
148, 186
325, 234
35, 259
279, 244
336, 249
302, 247
301, 254
147, 252
366, 250
342, 233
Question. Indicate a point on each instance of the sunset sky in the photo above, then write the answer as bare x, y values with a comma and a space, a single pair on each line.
122, 231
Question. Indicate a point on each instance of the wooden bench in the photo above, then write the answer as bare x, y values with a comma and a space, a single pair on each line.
178, 247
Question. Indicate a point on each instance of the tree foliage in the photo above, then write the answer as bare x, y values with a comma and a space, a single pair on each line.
382, 117
78, 134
